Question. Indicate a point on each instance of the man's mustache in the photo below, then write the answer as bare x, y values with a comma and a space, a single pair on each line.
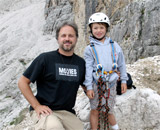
67, 42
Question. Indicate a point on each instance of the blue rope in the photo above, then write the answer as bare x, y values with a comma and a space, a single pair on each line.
114, 58
95, 54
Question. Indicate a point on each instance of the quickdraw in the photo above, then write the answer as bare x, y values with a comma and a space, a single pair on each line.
101, 91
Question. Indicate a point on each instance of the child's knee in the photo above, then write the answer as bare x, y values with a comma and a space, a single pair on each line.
94, 112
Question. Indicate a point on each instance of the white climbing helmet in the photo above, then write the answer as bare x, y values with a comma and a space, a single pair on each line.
99, 18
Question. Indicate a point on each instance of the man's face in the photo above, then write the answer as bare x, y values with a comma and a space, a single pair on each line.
67, 39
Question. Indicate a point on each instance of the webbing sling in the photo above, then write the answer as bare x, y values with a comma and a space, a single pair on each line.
113, 55
95, 53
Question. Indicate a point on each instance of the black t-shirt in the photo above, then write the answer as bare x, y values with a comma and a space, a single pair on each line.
58, 78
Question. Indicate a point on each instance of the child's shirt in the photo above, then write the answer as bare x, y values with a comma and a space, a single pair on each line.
104, 52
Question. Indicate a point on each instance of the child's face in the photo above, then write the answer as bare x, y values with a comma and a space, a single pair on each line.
98, 30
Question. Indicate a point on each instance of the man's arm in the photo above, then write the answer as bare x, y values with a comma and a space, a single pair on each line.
24, 86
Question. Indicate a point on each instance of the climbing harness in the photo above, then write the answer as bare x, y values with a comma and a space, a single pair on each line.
99, 66
103, 84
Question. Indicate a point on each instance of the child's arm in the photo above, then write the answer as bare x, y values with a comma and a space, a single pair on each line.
123, 73
90, 94
89, 59
123, 87
122, 67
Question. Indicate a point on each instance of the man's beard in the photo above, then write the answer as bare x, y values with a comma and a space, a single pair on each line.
66, 48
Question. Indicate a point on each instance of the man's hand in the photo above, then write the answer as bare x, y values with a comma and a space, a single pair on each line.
123, 88
90, 94
42, 110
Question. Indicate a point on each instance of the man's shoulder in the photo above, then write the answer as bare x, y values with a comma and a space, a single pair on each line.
79, 58
48, 53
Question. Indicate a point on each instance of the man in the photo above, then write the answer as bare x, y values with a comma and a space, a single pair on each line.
58, 75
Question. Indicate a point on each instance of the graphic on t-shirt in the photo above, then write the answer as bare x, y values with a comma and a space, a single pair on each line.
67, 72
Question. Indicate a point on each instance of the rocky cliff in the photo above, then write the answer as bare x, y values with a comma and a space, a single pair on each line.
134, 23
27, 29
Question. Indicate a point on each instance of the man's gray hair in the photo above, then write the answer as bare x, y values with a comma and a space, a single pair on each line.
67, 23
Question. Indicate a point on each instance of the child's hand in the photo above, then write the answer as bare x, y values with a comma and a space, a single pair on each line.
123, 87
90, 94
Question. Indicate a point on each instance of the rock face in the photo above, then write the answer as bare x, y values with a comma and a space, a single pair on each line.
131, 113
21, 40
27, 29
137, 109
138, 29
135, 24
146, 73
55, 13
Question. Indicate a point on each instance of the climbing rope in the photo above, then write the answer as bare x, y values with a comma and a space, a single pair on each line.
101, 94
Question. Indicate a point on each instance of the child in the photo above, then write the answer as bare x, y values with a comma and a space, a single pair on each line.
103, 57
